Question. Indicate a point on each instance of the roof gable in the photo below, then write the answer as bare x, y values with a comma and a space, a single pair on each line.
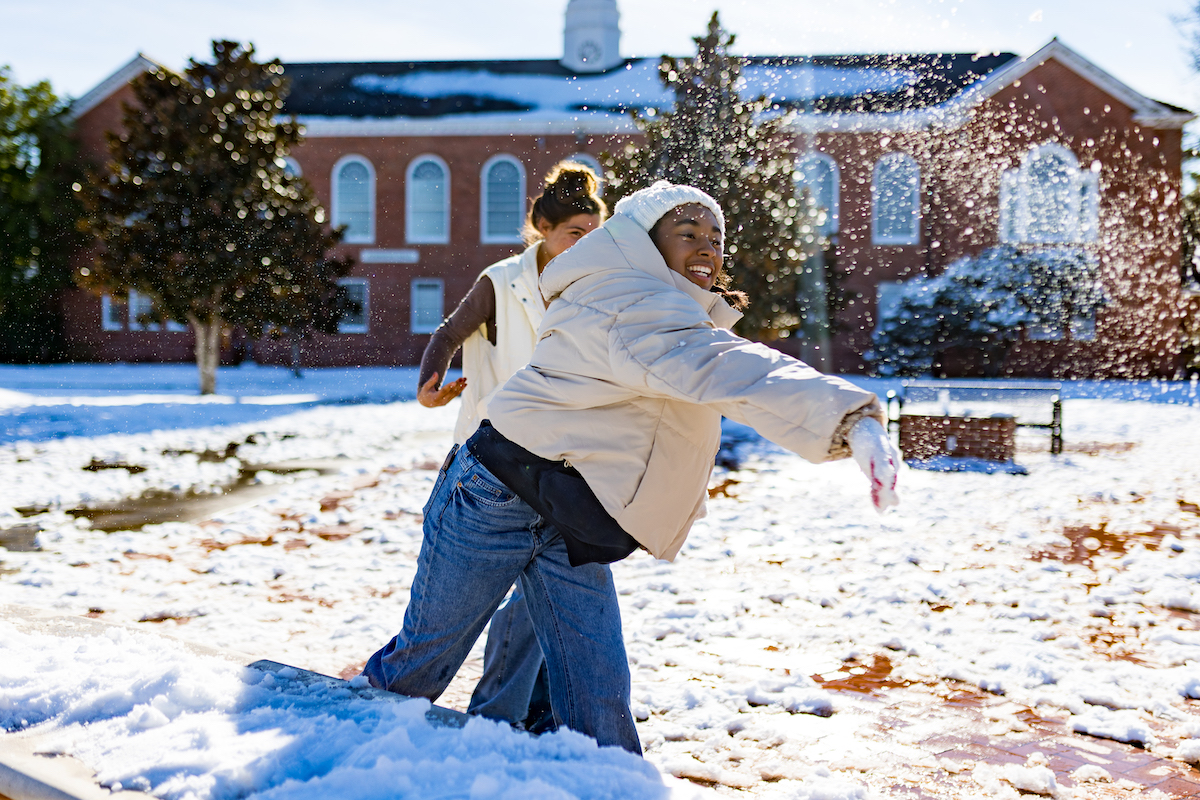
113, 83
1147, 112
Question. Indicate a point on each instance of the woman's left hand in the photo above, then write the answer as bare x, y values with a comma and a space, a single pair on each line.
877, 457
431, 396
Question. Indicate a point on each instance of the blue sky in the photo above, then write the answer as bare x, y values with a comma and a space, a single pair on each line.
76, 44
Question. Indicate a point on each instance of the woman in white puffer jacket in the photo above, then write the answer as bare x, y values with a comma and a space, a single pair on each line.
605, 443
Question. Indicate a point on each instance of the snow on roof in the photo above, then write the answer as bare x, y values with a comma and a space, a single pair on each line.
637, 85
822, 84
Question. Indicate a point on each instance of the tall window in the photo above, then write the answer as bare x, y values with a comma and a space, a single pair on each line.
425, 305
887, 299
111, 317
140, 308
502, 210
818, 173
1049, 199
357, 320
354, 199
896, 200
428, 201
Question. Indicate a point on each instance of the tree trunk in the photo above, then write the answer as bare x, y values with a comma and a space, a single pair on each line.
296, 373
208, 352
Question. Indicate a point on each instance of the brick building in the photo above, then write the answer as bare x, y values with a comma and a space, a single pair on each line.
918, 158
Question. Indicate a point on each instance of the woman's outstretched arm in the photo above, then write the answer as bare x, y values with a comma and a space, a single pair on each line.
477, 309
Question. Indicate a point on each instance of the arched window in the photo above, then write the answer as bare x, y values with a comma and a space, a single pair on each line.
353, 199
427, 201
818, 173
896, 200
1049, 199
502, 201
291, 167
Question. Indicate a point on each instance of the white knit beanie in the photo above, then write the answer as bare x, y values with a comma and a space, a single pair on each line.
648, 206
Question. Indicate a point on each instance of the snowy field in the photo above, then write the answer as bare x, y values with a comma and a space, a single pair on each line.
759, 657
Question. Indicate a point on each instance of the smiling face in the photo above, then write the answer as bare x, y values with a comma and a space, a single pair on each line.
690, 241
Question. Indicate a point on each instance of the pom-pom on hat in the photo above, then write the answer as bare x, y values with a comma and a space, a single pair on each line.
648, 206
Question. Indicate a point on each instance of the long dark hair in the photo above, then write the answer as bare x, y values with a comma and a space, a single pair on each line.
570, 188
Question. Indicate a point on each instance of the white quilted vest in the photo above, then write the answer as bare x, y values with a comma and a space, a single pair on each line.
519, 310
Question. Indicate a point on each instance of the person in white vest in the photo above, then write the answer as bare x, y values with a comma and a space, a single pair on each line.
496, 325
603, 444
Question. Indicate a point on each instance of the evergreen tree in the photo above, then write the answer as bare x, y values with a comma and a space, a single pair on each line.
197, 210
38, 212
739, 151
984, 303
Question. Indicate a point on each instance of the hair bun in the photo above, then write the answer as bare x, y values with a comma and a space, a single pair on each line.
571, 188
574, 182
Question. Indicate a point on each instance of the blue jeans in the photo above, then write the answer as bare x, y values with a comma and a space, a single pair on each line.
513, 685
479, 539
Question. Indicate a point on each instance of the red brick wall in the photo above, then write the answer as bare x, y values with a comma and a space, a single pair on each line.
988, 438
458, 263
1139, 246
1137, 335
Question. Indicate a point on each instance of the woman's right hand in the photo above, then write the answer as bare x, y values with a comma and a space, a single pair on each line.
431, 396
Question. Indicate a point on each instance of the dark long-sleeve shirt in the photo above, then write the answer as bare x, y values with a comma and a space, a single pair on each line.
477, 308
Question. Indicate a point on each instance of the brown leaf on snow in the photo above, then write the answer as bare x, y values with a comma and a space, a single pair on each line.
334, 499
288, 597
134, 556
212, 544
335, 533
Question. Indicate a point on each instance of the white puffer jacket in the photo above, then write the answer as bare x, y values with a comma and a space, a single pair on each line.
633, 370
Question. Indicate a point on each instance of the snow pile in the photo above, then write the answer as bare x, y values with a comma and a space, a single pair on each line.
160, 719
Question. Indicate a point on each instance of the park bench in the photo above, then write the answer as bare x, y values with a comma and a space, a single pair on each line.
977, 418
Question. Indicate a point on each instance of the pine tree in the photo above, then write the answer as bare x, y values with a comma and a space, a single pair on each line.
984, 303
739, 151
197, 210
38, 212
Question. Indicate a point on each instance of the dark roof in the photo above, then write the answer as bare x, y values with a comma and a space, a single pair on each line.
823, 84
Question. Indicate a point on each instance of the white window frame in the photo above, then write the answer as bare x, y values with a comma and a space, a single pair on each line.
110, 314
413, 323
1083, 327
1082, 213
334, 200
293, 168
409, 235
833, 213
364, 327
914, 237
484, 236
139, 303
887, 294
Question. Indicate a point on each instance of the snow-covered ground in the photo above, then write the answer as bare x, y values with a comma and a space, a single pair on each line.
1073, 592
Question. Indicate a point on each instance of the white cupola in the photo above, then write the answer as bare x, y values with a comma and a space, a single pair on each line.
591, 36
